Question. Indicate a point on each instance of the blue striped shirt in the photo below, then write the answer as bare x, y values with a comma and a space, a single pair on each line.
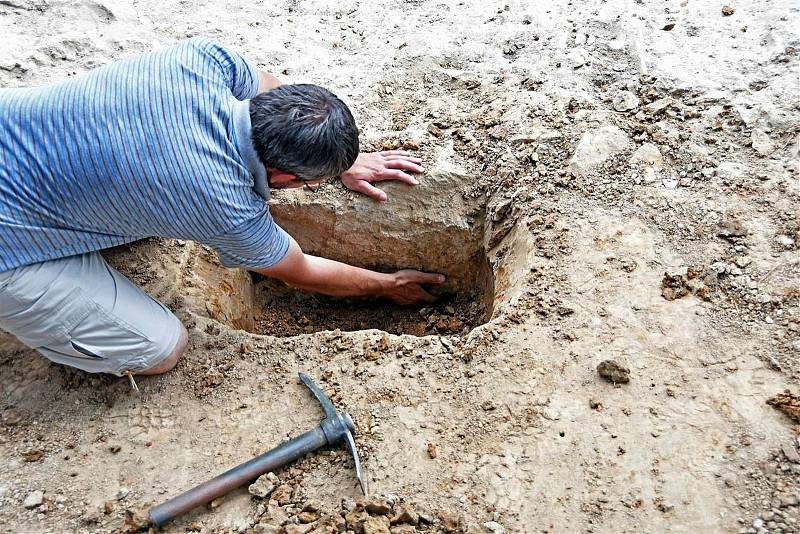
154, 145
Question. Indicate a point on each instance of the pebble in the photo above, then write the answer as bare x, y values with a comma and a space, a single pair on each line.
34, 499
625, 101
405, 514
762, 143
791, 453
494, 527
578, 57
263, 486
614, 372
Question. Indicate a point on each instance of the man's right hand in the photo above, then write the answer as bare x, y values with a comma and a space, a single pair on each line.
330, 277
407, 286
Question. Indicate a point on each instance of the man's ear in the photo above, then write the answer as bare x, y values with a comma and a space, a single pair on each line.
277, 177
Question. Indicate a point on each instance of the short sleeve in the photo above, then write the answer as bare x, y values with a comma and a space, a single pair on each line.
238, 73
258, 243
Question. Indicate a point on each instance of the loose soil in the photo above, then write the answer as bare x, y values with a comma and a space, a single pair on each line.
290, 313
626, 171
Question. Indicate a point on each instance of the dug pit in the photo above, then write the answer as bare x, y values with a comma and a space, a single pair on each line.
436, 227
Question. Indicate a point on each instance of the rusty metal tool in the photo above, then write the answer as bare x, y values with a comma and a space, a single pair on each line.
336, 426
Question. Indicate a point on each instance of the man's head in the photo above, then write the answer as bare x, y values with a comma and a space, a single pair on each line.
302, 132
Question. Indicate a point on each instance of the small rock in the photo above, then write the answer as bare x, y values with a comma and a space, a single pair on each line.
282, 494
403, 529
614, 372
263, 486
32, 456
376, 525
488, 406
355, 521
450, 522
405, 513
596, 146
11, 416
376, 507
788, 403
578, 57
649, 154
762, 143
136, 520
659, 106
625, 101
433, 451
34, 499
494, 527
727, 11
308, 517
791, 453
732, 228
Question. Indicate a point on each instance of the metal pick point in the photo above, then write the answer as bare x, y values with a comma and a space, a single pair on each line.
344, 424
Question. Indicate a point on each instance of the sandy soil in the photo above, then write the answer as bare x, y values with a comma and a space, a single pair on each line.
628, 171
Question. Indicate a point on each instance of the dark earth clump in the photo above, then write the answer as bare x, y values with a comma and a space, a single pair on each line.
614, 372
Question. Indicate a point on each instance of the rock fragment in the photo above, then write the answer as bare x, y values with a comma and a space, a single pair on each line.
727, 11
494, 527
596, 146
731, 228
263, 486
450, 522
34, 499
282, 494
648, 154
614, 372
32, 455
790, 451
659, 106
405, 513
377, 507
788, 403
136, 520
761, 142
578, 57
376, 525
433, 451
625, 101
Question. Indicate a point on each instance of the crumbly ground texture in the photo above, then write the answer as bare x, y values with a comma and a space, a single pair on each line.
606, 180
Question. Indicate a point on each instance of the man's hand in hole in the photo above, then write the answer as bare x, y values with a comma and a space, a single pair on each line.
337, 279
378, 167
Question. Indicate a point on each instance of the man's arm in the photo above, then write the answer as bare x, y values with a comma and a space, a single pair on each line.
333, 278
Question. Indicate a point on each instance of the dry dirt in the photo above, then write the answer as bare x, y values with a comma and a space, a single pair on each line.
607, 180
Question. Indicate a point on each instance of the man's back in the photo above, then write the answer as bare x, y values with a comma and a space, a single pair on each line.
141, 147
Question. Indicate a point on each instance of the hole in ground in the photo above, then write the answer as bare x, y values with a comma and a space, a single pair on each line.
439, 230
287, 312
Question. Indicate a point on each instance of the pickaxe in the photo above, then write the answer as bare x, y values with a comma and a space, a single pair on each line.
335, 427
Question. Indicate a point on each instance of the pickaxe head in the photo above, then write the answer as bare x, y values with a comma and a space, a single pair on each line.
337, 426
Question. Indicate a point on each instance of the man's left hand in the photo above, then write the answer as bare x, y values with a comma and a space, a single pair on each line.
380, 166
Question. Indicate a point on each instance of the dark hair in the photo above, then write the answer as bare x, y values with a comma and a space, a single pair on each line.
303, 130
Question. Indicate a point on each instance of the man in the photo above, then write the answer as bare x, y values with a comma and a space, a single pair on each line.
184, 142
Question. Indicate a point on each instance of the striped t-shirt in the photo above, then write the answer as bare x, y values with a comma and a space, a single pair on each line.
154, 145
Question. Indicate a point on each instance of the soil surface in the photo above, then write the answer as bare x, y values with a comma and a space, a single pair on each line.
290, 313
630, 170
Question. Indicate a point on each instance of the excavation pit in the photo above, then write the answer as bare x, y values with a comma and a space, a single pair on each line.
440, 230
281, 311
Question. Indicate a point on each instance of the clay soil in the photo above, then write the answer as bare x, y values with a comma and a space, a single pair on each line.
627, 172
